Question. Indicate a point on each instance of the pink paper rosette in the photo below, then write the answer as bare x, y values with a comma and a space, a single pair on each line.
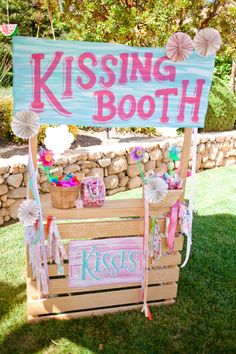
207, 41
179, 47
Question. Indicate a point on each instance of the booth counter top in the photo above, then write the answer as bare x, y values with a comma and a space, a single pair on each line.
112, 208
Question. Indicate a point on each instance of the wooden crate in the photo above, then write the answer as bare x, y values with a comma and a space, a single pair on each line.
64, 302
117, 218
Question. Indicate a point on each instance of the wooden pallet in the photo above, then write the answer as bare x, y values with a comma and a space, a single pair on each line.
64, 302
117, 218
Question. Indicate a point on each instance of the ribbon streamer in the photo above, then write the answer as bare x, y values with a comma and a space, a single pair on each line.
172, 226
144, 291
191, 197
34, 188
55, 249
36, 259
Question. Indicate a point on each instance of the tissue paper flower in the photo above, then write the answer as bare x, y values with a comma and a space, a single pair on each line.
25, 124
207, 41
28, 212
179, 47
174, 153
58, 139
155, 189
138, 153
46, 157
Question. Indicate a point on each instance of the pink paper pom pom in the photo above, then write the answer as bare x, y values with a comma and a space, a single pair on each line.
179, 47
207, 41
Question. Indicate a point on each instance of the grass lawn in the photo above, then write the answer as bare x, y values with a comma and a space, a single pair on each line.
201, 321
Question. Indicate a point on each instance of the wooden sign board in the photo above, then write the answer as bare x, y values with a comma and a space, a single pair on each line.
106, 261
109, 85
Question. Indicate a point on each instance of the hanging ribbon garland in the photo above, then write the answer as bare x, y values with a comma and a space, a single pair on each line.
34, 189
191, 197
144, 290
55, 249
38, 271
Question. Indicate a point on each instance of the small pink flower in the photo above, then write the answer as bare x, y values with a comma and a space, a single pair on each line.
46, 158
179, 47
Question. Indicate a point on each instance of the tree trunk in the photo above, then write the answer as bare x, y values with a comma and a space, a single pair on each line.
232, 77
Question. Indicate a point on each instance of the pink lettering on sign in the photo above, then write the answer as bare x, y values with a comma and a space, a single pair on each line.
192, 100
109, 261
39, 84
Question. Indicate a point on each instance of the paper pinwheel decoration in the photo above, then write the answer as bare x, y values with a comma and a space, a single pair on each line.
28, 212
179, 47
25, 124
207, 41
155, 189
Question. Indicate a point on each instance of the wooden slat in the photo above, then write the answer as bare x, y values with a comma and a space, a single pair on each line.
60, 286
111, 208
178, 246
97, 300
166, 260
98, 229
68, 316
185, 157
101, 229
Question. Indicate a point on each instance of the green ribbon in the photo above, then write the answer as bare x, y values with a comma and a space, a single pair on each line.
141, 171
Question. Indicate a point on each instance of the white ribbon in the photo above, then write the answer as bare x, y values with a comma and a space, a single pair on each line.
191, 197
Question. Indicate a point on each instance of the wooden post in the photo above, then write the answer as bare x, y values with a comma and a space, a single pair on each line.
185, 155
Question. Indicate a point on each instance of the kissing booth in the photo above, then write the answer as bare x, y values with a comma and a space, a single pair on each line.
103, 262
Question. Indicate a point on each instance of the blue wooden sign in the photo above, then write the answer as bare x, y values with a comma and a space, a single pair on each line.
109, 85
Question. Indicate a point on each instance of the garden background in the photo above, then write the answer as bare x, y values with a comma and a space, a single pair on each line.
137, 23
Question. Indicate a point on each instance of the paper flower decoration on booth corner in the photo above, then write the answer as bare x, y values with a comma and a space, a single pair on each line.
58, 139
28, 212
179, 47
174, 153
207, 42
138, 153
25, 124
46, 158
155, 189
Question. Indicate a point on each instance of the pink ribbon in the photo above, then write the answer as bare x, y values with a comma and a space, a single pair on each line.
172, 226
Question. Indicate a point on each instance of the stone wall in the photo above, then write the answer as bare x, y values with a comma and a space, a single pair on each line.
111, 162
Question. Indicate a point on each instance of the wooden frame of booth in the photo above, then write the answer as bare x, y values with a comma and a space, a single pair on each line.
63, 302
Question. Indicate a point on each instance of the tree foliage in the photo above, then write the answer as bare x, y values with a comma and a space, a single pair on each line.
138, 23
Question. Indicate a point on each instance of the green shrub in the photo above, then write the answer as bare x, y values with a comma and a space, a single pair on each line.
6, 113
142, 130
6, 108
221, 113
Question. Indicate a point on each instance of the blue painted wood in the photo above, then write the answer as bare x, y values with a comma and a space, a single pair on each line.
81, 104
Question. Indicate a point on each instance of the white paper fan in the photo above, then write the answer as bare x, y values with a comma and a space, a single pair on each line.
28, 212
179, 47
155, 189
207, 41
25, 124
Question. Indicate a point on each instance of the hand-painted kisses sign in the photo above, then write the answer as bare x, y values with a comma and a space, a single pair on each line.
109, 85
109, 261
